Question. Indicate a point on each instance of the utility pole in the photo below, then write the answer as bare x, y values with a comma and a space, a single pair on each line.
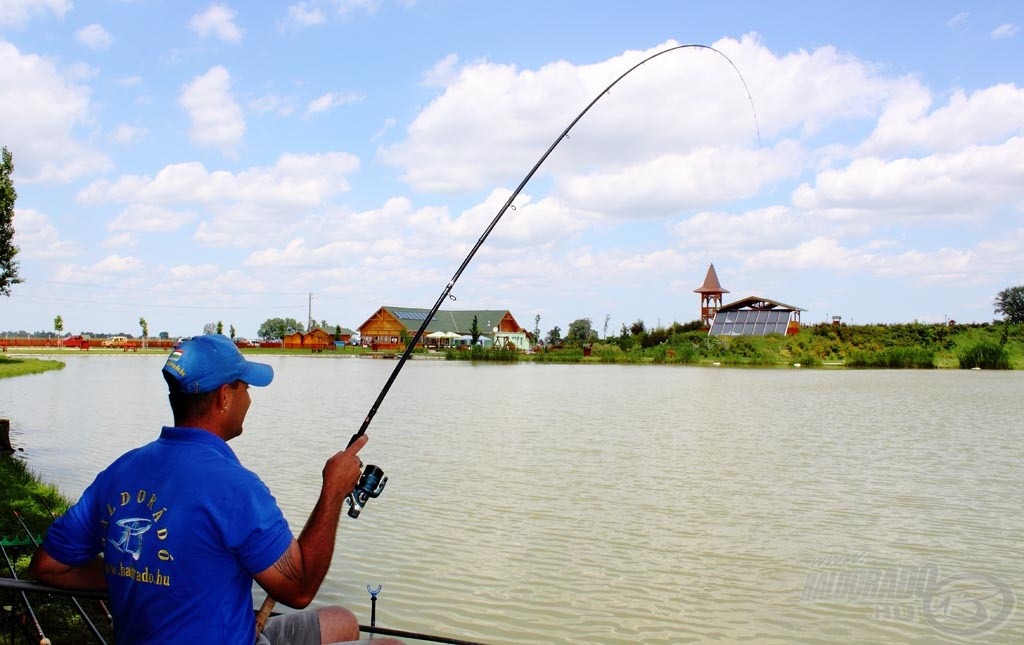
309, 314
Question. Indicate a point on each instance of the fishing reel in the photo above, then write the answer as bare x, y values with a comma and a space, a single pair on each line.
370, 486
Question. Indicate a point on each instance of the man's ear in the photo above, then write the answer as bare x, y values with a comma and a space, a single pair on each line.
223, 398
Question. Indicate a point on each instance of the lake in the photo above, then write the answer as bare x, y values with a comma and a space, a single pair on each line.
610, 504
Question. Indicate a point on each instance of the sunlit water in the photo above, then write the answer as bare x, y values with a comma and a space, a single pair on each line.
620, 504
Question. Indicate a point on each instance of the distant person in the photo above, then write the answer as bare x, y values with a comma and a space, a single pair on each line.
178, 529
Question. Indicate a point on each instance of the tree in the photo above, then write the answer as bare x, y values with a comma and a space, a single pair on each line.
209, 328
145, 331
231, 332
220, 327
8, 265
1010, 303
58, 326
278, 327
554, 336
474, 331
607, 317
580, 332
536, 329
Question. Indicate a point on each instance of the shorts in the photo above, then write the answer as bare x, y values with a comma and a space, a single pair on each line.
295, 628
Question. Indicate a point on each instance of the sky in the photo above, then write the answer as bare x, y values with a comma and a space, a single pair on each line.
196, 162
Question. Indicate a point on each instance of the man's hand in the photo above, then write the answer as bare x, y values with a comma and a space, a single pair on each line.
342, 471
296, 576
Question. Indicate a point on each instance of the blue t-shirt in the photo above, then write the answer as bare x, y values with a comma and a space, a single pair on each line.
183, 528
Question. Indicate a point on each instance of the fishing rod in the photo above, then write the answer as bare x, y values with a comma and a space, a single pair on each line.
372, 482
43, 640
81, 610
508, 203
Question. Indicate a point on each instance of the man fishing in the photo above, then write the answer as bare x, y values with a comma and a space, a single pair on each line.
178, 529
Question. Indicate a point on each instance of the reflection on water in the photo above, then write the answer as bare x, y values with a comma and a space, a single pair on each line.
619, 504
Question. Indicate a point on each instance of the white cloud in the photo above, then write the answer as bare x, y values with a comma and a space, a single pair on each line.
718, 232
344, 7
444, 72
493, 121
947, 186
15, 13
384, 129
125, 133
216, 117
280, 105
93, 36
37, 238
294, 181
231, 209
150, 218
305, 14
987, 115
958, 21
332, 100
122, 241
217, 20
41, 109
1007, 30
941, 266
128, 81
674, 183
194, 272
116, 265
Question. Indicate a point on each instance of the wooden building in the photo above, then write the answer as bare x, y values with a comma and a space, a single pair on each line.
392, 327
710, 296
318, 339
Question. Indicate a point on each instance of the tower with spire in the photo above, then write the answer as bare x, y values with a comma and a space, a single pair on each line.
710, 296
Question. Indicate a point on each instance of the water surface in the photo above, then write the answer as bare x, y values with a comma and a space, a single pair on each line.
619, 504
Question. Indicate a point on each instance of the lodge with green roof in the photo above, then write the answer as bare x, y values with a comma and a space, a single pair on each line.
392, 327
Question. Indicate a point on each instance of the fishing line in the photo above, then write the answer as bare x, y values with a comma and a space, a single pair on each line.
446, 293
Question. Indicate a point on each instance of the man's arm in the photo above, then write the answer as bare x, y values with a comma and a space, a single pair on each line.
296, 576
46, 569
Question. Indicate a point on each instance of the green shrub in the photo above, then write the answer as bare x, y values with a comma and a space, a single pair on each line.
894, 358
568, 355
986, 355
478, 353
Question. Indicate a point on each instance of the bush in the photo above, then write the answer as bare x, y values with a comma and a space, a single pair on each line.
985, 355
894, 358
478, 353
573, 355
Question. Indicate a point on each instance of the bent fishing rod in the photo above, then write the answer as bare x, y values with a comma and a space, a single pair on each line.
446, 293
372, 482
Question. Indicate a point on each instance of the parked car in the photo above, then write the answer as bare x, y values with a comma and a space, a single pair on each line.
115, 341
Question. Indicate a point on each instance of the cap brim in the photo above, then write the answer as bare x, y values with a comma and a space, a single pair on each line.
258, 374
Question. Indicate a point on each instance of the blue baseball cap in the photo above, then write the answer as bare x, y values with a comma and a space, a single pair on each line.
204, 363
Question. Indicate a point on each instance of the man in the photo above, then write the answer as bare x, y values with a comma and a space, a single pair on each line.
178, 529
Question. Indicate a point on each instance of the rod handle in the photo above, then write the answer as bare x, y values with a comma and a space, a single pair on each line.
263, 614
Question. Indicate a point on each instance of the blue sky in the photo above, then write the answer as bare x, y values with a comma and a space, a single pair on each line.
194, 162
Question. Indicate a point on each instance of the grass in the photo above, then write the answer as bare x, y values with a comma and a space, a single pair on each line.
35, 502
11, 366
